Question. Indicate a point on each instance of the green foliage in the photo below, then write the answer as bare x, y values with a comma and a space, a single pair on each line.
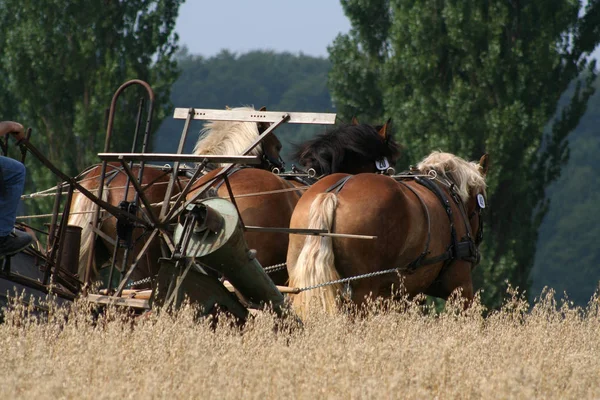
281, 82
63, 60
471, 77
568, 255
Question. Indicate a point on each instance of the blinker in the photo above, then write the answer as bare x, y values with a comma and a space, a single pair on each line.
480, 201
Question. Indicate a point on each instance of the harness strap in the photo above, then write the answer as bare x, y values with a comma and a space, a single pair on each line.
421, 259
466, 249
232, 171
463, 250
339, 185
112, 175
305, 180
429, 184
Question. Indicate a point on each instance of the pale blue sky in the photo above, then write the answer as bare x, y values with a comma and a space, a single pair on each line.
307, 26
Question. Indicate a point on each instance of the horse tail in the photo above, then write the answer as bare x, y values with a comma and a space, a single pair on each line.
81, 214
316, 263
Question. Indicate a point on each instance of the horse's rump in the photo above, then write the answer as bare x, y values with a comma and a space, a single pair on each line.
154, 180
263, 199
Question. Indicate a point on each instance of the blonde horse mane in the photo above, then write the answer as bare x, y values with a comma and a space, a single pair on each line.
228, 138
466, 175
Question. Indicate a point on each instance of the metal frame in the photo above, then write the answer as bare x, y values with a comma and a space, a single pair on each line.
158, 225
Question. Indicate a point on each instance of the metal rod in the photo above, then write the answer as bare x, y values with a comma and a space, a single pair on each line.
169, 193
113, 262
310, 232
52, 234
63, 230
177, 288
95, 222
182, 195
232, 198
138, 122
109, 130
226, 169
140, 192
141, 254
69, 180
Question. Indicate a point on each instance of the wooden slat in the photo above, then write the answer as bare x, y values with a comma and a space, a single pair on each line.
178, 157
119, 301
282, 289
256, 116
132, 294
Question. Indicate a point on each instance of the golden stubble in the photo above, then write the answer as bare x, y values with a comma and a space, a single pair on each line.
392, 350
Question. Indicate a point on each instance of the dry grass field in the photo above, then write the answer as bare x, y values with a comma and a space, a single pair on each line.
401, 351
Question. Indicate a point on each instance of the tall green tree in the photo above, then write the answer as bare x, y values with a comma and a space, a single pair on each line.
475, 76
63, 60
279, 81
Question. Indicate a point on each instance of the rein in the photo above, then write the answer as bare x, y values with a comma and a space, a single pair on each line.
465, 249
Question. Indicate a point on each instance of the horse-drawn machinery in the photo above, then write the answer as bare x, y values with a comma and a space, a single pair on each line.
203, 254
206, 228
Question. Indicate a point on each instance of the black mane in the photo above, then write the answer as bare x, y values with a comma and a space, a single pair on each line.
346, 148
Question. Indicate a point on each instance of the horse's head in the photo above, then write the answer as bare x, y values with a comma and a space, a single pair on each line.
352, 149
468, 181
271, 147
478, 202
234, 137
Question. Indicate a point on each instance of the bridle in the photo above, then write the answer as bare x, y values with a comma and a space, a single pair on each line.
473, 254
271, 163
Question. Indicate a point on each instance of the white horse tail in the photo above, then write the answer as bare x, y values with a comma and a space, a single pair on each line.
316, 262
81, 214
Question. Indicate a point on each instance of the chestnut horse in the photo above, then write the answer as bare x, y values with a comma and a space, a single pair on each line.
154, 181
427, 233
347, 148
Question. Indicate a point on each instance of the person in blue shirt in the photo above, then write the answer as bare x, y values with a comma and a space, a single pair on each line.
12, 182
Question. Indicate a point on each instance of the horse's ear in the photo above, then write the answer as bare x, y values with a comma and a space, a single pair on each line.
354, 121
263, 126
227, 108
384, 131
484, 164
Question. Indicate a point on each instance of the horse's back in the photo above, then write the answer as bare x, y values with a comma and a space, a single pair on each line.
375, 205
264, 199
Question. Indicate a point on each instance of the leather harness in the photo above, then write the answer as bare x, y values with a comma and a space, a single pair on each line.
466, 249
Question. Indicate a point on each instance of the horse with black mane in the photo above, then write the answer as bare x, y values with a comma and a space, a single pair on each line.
427, 234
350, 149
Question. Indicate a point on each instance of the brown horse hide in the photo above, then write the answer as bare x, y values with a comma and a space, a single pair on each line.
413, 229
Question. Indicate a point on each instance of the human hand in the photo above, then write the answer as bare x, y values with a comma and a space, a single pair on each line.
12, 127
